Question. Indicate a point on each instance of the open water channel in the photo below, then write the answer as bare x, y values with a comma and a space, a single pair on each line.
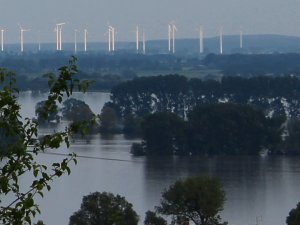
259, 190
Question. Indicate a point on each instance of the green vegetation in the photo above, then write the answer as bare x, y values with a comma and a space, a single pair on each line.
109, 121
76, 110
25, 143
163, 134
210, 129
253, 65
104, 209
153, 219
292, 142
294, 216
198, 199
276, 96
52, 114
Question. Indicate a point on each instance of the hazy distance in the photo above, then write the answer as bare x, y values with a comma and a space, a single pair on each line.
252, 16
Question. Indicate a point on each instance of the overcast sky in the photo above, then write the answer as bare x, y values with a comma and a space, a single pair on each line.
252, 16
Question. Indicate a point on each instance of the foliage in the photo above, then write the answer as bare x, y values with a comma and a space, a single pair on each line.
109, 121
151, 94
231, 129
254, 64
294, 216
153, 219
20, 157
40, 222
292, 141
76, 110
132, 124
199, 199
104, 209
137, 149
53, 113
276, 96
163, 133
225, 128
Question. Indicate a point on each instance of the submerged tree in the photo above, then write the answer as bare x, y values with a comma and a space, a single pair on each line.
198, 199
104, 209
19, 159
76, 110
53, 113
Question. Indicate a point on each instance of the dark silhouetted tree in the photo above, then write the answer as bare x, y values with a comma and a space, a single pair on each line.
198, 199
104, 209
294, 216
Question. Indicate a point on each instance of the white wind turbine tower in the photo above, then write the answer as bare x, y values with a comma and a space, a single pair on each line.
144, 43
169, 36
58, 30
110, 30
137, 38
2, 40
201, 35
85, 39
241, 39
75, 40
174, 28
221, 40
39, 40
22, 37
111, 38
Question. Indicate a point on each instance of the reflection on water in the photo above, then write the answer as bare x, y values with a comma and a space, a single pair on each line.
255, 186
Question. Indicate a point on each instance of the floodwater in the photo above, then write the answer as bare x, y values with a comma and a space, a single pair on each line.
259, 190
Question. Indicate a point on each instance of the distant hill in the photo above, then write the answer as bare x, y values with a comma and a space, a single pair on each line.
267, 43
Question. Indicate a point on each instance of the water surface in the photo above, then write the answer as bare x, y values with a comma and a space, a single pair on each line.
263, 188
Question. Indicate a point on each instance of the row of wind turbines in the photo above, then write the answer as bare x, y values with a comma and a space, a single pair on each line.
139, 36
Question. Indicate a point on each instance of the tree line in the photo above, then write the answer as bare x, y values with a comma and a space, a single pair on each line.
276, 96
255, 64
212, 129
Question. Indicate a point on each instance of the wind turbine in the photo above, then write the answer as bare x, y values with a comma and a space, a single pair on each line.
201, 34
144, 43
58, 30
85, 39
221, 40
111, 38
169, 36
241, 39
174, 28
22, 37
75, 40
110, 29
39, 40
137, 38
2, 40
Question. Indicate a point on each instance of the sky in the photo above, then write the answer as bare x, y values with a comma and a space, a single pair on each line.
251, 16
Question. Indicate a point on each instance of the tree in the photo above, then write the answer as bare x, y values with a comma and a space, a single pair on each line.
199, 199
20, 155
294, 216
231, 129
109, 120
76, 110
153, 219
53, 114
292, 141
163, 133
104, 209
